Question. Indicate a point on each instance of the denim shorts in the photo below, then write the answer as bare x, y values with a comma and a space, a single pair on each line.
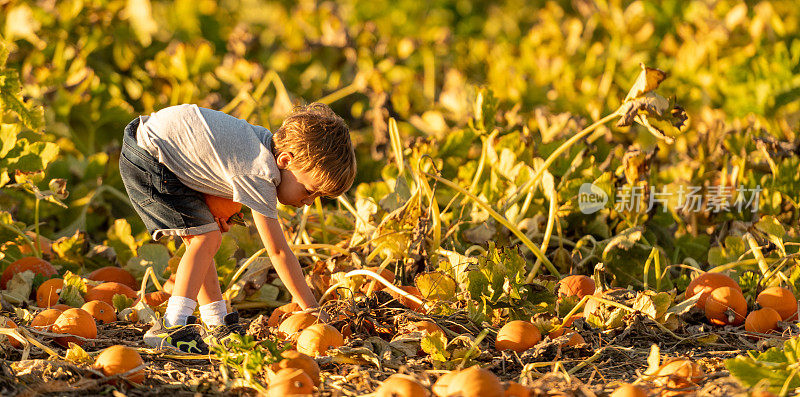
165, 204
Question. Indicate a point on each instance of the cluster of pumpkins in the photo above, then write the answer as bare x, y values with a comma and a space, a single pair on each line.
80, 323
722, 301
719, 297
103, 284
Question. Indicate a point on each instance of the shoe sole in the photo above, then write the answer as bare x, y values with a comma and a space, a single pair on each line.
156, 341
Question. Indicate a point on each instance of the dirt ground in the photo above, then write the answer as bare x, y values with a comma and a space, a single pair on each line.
590, 369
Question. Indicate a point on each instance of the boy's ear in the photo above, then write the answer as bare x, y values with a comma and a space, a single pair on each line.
284, 159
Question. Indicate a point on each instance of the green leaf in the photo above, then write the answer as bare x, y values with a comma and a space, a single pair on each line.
121, 302
477, 284
120, 238
435, 345
457, 143
731, 251
695, 247
74, 289
247, 241
8, 138
76, 355
624, 240
71, 296
149, 255
436, 286
774, 367
653, 304
75, 281
46, 151
72, 248
771, 226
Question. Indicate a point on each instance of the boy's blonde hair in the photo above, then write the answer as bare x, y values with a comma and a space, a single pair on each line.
319, 142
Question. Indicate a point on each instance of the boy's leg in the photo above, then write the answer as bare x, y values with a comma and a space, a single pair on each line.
196, 262
212, 308
210, 290
214, 311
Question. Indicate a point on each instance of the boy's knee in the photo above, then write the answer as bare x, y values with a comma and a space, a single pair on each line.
209, 242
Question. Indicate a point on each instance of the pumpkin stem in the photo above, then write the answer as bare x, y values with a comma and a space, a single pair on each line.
599, 280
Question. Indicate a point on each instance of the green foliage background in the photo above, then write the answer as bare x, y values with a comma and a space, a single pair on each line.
543, 70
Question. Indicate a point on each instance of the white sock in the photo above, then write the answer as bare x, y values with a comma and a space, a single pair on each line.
213, 313
178, 309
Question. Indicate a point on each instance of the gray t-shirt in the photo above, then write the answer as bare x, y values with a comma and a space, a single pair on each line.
215, 153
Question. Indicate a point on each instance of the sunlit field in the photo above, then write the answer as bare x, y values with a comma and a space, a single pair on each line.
578, 198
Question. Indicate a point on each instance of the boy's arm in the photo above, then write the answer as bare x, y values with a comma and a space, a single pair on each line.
284, 260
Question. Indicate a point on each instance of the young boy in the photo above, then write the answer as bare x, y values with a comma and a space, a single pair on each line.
172, 157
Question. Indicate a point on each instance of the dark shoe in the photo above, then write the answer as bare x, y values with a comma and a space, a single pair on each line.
221, 334
185, 338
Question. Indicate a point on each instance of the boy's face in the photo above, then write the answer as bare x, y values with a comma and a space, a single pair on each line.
297, 188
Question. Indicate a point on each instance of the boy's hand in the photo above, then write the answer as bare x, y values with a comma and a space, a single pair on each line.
224, 226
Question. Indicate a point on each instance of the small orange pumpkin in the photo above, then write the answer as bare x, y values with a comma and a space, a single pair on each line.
475, 382
707, 282
45, 319
105, 292
290, 328
118, 359
763, 320
628, 390
780, 299
281, 312
222, 207
441, 385
101, 311
48, 293
115, 274
290, 382
574, 337
726, 305
399, 385
318, 338
514, 389
295, 359
425, 326
156, 298
518, 336
32, 263
74, 322
576, 285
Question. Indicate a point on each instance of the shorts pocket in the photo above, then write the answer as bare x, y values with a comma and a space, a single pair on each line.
137, 182
168, 183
